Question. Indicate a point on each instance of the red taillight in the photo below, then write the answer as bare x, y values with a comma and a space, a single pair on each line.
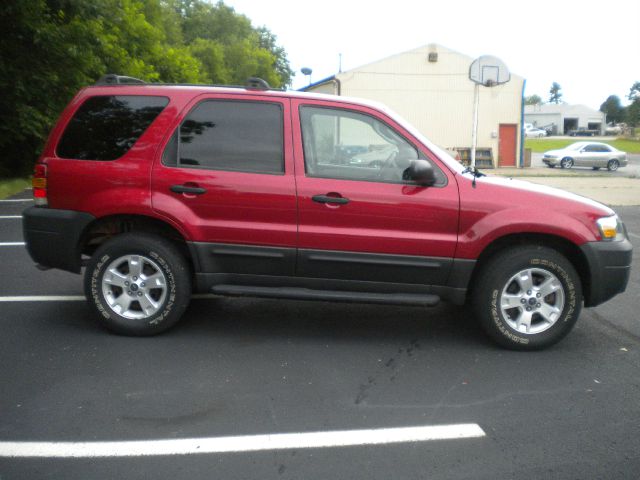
39, 184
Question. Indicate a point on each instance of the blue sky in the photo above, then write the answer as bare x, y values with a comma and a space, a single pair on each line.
592, 49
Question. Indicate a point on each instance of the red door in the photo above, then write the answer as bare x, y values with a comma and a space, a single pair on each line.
507, 148
231, 186
358, 219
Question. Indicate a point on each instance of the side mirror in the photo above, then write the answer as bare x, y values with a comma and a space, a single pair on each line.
421, 172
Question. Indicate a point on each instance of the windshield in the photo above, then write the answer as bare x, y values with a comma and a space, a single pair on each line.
576, 146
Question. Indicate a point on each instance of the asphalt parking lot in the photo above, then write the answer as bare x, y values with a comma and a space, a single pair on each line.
254, 388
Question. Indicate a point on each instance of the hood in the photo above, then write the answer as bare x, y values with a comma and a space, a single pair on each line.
501, 206
526, 191
555, 152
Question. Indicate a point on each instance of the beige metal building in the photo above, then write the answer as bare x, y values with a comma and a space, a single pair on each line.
430, 87
562, 118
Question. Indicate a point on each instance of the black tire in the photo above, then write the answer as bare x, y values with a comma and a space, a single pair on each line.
495, 285
551, 166
613, 165
158, 260
566, 162
596, 168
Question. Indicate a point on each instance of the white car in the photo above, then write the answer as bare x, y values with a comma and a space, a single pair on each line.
535, 133
586, 154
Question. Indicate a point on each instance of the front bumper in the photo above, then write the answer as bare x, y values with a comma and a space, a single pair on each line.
550, 161
53, 236
609, 269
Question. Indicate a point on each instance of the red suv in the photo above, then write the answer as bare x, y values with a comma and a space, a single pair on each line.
163, 190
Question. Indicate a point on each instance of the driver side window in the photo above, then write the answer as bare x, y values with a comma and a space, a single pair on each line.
347, 145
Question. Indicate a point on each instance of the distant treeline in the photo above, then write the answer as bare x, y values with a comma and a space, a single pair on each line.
49, 49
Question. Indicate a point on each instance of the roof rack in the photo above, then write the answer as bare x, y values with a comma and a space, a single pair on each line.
256, 83
253, 83
112, 79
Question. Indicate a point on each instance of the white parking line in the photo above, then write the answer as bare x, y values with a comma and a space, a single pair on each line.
12, 244
248, 443
7, 217
43, 298
75, 298
17, 200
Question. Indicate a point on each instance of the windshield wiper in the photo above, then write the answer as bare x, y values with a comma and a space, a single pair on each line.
475, 172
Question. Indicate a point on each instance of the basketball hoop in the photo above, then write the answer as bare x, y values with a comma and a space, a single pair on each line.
487, 71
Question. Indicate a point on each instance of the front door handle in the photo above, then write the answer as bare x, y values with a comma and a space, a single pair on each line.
187, 189
328, 199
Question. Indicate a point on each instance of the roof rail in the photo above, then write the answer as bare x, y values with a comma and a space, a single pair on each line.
253, 83
112, 79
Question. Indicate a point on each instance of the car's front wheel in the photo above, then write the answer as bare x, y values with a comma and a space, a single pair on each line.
138, 284
527, 298
566, 162
613, 165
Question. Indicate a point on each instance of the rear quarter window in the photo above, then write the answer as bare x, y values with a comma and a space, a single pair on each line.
106, 127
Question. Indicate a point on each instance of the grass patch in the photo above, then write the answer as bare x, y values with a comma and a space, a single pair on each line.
12, 186
540, 145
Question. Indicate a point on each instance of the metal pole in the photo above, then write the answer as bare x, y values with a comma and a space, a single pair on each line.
474, 135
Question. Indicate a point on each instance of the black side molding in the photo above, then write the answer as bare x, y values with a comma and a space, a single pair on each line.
292, 293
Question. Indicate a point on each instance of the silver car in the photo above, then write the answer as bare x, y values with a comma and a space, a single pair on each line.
586, 154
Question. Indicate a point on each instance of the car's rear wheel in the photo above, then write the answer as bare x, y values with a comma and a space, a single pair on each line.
613, 165
528, 298
138, 284
566, 162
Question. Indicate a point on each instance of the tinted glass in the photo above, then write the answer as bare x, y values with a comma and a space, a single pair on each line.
229, 135
352, 146
106, 127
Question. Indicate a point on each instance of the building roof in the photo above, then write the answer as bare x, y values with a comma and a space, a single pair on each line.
562, 108
369, 67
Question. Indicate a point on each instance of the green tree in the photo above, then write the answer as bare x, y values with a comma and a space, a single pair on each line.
555, 93
633, 110
212, 57
241, 50
613, 109
533, 100
37, 84
71, 43
267, 40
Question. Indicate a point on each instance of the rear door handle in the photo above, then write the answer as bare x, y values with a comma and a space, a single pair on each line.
328, 199
187, 189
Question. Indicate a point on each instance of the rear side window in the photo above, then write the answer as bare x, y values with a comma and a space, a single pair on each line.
230, 135
106, 127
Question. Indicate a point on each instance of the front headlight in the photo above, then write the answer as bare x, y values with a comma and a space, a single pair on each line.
611, 228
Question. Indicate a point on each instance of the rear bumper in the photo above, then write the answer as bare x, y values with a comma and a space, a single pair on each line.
609, 269
53, 236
